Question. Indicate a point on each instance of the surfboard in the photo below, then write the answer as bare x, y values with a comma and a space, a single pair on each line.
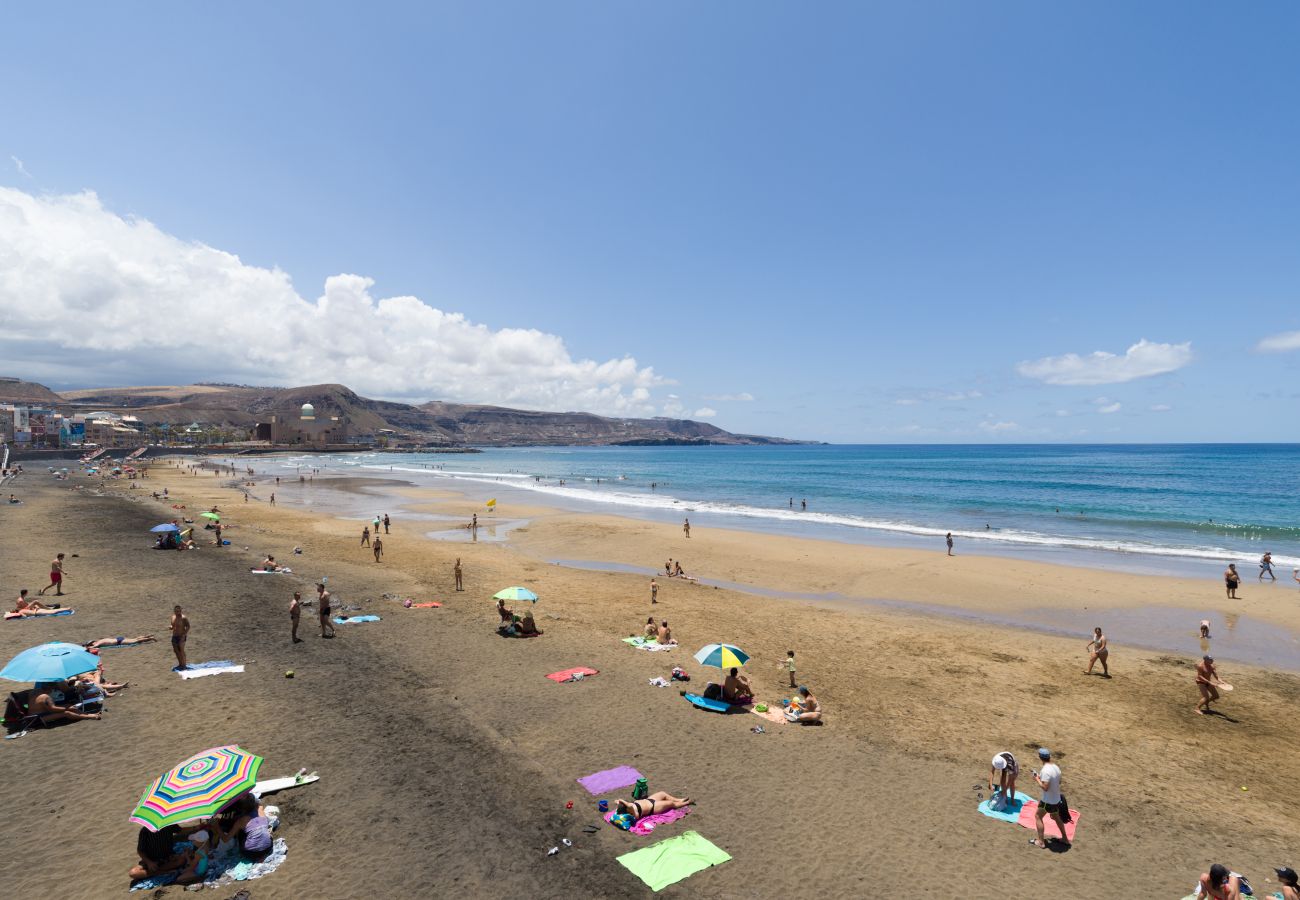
271, 785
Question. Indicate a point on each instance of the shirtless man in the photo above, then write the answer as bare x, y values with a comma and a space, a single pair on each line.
459, 573
56, 577
735, 688
378, 548
323, 611
1230, 581
654, 591
28, 607
811, 710
668, 567
295, 613
180, 628
1206, 679
665, 634
43, 705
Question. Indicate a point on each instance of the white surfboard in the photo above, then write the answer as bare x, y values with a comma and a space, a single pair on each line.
271, 785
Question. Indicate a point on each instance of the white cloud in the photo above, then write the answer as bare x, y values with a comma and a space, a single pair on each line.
18, 164
1280, 343
1109, 408
742, 397
931, 396
1141, 360
91, 295
673, 407
705, 412
997, 427
1063, 413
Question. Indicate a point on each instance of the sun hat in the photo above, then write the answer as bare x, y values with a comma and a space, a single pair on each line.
999, 762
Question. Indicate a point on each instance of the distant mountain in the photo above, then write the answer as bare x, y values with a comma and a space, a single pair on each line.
447, 424
16, 390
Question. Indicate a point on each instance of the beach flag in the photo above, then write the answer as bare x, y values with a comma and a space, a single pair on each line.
491, 503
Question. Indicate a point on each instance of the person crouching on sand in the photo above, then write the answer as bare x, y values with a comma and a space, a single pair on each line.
1006, 770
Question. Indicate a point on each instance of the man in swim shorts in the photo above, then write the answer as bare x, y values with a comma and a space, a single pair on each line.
323, 611
1049, 779
295, 613
56, 577
1230, 580
180, 627
1266, 567
1206, 678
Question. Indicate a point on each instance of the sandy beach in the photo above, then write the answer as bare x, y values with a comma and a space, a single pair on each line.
447, 759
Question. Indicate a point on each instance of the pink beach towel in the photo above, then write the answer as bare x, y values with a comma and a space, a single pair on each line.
567, 674
647, 824
1050, 829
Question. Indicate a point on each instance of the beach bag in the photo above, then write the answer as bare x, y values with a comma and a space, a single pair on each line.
640, 790
1064, 809
712, 691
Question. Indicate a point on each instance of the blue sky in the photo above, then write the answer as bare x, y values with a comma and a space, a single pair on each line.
851, 222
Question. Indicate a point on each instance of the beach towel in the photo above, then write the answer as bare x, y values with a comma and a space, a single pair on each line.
1030, 809
771, 715
269, 571
12, 616
425, 605
215, 667
647, 824
353, 620
225, 868
1011, 813
567, 674
609, 780
669, 861
720, 706
641, 643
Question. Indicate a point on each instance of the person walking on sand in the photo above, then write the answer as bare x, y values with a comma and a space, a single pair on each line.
273, 499
460, 585
654, 591
56, 577
295, 613
323, 611
378, 548
949, 540
1230, 580
365, 535
686, 527
1266, 567
180, 628
1207, 679
385, 523
1099, 653
1049, 780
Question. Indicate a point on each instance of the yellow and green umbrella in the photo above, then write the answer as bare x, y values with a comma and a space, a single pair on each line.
515, 593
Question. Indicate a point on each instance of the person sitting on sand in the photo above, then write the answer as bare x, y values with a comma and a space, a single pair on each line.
1219, 884
1290, 883
156, 854
678, 573
507, 615
665, 634
44, 703
656, 803
736, 689
34, 606
196, 865
807, 710
119, 641
269, 564
1098, 654
252, 827
651, 630
527, 625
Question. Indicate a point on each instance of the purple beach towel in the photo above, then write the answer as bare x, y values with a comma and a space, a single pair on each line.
610, 779
647, 824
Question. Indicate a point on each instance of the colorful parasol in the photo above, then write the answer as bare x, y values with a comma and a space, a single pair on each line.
515, 593
197, 788
210, 515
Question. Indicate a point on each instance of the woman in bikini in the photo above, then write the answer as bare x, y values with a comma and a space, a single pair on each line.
651, 630
1099, 653
658, 802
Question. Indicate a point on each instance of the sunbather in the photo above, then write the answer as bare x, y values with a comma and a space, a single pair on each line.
119, 642
44, 703
27, 607
1219, 884
804, 708
527, 625
736, 689
658, 802
156, 854
665, 634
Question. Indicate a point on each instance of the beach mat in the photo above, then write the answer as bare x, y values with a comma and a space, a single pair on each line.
354, 620
13, 616
567, 674
672, 860
430, 605
213, 667
771, 714
641, 643
224, 869
268, 572
647, 824
1050, 830
1011, 813
719, 706
609, 780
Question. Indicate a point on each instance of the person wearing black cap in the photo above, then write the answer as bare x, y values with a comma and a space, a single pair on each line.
1290, 883
1049, 779
1219, 884
1206, 679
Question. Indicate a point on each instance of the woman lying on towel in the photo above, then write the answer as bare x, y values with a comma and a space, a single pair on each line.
658, 802
119, 642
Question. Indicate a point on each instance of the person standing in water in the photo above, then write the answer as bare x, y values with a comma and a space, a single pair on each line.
1099, 653
1230, 581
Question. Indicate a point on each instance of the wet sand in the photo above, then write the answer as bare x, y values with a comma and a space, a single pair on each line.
446, 758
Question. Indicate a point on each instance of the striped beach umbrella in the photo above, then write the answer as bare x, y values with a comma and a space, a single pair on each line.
515, 593
723, 656
198, 788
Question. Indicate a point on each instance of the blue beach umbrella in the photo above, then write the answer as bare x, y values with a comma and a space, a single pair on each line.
515, 593
166, 526
50, 662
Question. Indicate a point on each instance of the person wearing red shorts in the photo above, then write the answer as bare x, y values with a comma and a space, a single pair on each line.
56, 577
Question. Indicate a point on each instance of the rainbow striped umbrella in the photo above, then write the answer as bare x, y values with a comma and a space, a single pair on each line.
197, 788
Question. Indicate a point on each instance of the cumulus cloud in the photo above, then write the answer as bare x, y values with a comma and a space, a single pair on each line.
673, 407
1141, 360
705, 412
997, 427
931, 396
1280, 343
91, 295
742, 397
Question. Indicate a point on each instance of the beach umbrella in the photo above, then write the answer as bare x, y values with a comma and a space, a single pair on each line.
724, 656
210, 515
515, 593
165, 526
197, 788
50, 662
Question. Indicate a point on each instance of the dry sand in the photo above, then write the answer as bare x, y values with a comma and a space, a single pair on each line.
446, 758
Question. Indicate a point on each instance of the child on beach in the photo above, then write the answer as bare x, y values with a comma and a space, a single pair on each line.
788, 665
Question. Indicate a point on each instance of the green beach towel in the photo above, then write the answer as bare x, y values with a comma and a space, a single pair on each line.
668, 862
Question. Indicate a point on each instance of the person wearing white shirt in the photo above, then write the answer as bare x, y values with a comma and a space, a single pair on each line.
1049, 779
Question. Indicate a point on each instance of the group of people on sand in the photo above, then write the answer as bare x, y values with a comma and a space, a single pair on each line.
32, 608
1221, 883
243, 828
672, 570
660, 633
513, 624
79, 697
1006, 770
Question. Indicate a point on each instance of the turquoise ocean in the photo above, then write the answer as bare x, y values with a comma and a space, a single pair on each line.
1157, 507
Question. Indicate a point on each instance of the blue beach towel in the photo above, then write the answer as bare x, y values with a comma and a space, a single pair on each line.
352, 620
1011, 813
